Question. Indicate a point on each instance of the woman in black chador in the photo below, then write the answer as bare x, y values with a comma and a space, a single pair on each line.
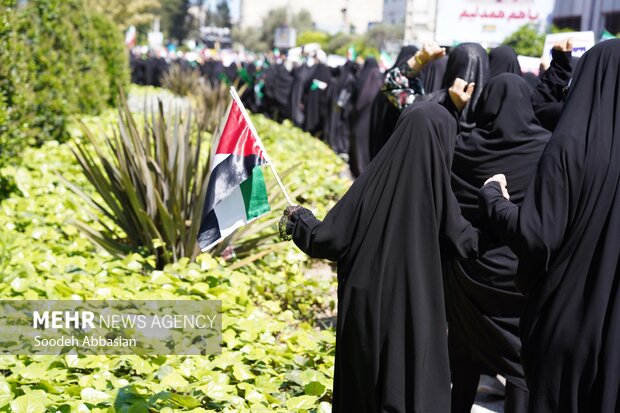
504, 59
482, 301
366, 89
566, 233
389, 234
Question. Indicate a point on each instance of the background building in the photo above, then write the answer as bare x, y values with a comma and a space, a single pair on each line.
417, 17
329, 15
595, 15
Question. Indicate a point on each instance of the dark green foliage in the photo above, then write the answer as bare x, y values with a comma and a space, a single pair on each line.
57, 60
112, 50
222, 18
174, 18
528, 41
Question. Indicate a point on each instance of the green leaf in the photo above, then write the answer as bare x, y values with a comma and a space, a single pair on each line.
93, 396
301, 402
5, 392
32, 402
242, 373
314, 389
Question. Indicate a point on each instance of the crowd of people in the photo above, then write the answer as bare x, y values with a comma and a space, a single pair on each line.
485, 198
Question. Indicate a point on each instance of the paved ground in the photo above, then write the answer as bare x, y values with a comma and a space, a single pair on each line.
138, 101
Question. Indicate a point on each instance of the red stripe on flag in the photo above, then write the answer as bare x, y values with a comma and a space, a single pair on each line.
237, 137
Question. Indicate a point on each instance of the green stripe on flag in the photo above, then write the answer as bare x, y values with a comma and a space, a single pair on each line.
254, 193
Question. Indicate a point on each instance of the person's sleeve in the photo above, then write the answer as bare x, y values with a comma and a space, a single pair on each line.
535, 230
313, 237
553, 82
502, 213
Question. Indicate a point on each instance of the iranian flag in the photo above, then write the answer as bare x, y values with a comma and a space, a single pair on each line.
236, 192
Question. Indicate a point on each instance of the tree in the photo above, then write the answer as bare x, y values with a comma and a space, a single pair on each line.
302, 21
126, 13
251, 38
380, 34
526, 41
175, 20
339, 41
321, 38
222, 17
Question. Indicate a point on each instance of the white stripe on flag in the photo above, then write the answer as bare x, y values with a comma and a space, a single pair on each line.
230, 213
217, 159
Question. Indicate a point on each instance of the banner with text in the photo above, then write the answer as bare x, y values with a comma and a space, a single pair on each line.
116, 327
487, 22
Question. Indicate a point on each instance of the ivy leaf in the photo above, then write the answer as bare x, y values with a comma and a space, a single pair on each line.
301, 402
92, 396
314, 388
242, 373
5, 392
184, 401
32, 402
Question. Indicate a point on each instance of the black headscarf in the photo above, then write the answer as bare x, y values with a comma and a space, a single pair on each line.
368, 83
532, 80
567, 236
503, 59
389, 234
404, 55
483, 304
315, 100
383, 113
302, 75
432, 74
278, 86
470, 62
548, 97
337, 126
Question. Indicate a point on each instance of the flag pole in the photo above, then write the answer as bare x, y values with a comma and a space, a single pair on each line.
235, 96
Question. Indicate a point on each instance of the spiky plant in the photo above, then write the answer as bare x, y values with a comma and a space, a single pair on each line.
151, 184
211, 103
181, 80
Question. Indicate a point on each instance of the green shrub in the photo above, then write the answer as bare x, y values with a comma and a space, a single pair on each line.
111, 48
63, 61
527, 40
321, 38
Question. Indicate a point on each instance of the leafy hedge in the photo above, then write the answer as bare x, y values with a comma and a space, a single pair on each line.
58, 59
274, 356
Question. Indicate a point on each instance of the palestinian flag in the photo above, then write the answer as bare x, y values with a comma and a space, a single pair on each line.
236, 192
